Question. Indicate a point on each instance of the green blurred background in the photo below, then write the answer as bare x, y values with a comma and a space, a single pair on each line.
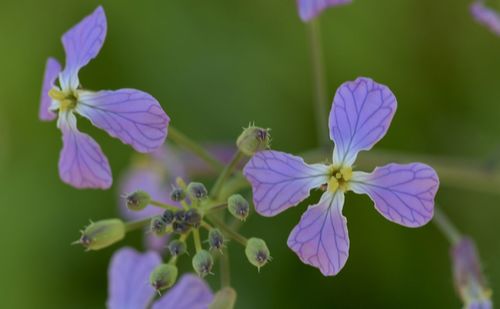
215, 66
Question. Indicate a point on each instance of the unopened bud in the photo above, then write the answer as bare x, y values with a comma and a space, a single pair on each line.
253, 139
180, 227
102, 234
177, 247
138, 200
224, 299
158, 226
193, 217
202, 263
163, 277
168, 216
197, 191
215, 239
177, 195
238, 206
257, 252
180, 215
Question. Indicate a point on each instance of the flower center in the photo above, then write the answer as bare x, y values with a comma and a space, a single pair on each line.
67, 100
339, 178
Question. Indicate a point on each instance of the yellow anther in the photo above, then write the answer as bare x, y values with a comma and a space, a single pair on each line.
346, 173
56, 94
66, 101
333, 184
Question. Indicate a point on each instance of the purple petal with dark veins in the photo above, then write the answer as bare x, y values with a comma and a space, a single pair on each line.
321, 239
82, 43
52, 69
128, 279
190, 292
132, 116
486, 16
403, 194
280, 180
361, 113
82, 163
309, 9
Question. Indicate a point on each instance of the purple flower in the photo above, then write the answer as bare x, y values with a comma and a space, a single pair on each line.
129, 287
309, 9
469, 279
486, 16
132, 116
403, 193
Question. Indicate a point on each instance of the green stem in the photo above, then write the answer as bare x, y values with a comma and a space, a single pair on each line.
164, 205
197, 240
151, 301
446, 227
134, 225
228, 231
184, 141
214, 208
225, 270
320, 98
225, 174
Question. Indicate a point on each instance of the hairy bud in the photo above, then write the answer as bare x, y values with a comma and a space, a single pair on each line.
238, 206
193, 218
177, 195
253, 139
138, 200
197, 191
168, 216
215, 239
257, 252
203, 263
158, 226
177, 247
163, 277
102, 234
180, 227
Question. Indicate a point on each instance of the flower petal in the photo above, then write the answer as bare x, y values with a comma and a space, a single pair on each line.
321, 239
128, 274
52, 69
82, 163
309, 9
486, 16
280, 180
132, 116
403, 194
191, 292
360, 116
82, 43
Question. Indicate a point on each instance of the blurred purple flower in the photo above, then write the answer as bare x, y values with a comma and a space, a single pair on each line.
309, 9
486, 16
360, 116
133, 116
469, 279
128, 285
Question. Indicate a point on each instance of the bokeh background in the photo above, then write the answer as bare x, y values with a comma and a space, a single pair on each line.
215, 66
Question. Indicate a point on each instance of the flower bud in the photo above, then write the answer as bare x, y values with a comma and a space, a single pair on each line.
177, 195
163, 277
138, 200
180, 215
202, 263
102, 234
215, 239
158, 226
253, 139
238, 206
257, 252
193, 218
180, 227
224, 299
167, 216
177, 247
197, 191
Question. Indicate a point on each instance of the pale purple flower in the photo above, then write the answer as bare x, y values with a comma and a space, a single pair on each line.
129, 288
132, 116
309, 9
486, 16
403, 193
468, 276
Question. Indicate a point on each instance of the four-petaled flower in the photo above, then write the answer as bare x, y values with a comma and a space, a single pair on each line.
361, 113
486, 16
129, 286
133, 116
309, 9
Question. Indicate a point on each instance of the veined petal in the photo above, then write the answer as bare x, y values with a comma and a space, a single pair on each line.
486, 16
52, 69
81, 163
191, 292
402, 193
361, 113
309, 9
132, 116
128, 276
321, 238
82, 43
280, 180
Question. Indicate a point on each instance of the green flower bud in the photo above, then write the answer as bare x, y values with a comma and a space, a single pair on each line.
257, 252
203, 263
193, 218
253, 139
215, 239
180, 227
168, 216
224, 299
102, 234
163, 276
138, 200
177, 195
158, 226
197, 191
238, 206
177, 247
